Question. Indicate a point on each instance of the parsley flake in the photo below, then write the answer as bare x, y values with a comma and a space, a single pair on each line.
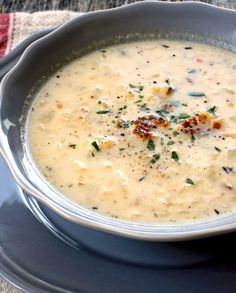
189, 181
193, 138
175, 156
192, 71
196, 94
125, 124
217, 149
175, 103
151, 145
144, 107
162, 113
171, 142
103, 112
136, 87
228, 170
175, 133
183, 116
212, 110
155, 158
179, 118
95, 145
141, 178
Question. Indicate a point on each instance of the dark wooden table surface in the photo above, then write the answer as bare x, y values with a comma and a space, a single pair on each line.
7, 6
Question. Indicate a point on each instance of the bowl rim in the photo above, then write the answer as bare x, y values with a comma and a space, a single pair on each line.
83, 216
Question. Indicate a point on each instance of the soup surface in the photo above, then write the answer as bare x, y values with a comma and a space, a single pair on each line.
144, 131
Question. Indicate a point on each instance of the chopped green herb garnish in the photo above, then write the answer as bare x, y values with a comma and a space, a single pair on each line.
162, 113
95, 145
183, 116
212, 110
121, 149
217, 149
140, 99
139, 87
103, 112
142, 178
125, 124
175, 133
155, 158
185, 105
179, 118
228, 170
175, 156
189, 181
103, 51
196, 94
175, 103
192, 138
167, 81
144, 107
173, 118
192, 71
99, 102
171, 142
151, 145
125, 107
132, 85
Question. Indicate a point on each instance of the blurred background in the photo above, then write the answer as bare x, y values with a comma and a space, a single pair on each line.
7, 6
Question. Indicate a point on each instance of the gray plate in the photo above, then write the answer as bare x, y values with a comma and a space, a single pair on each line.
36, 257
188, 21
36, 260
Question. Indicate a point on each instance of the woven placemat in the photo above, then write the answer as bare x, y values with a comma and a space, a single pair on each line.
8, 6
7, 288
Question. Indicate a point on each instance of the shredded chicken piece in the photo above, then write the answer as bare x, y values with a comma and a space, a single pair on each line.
216, 124
163, 91
189, 125
144, 125
194, 124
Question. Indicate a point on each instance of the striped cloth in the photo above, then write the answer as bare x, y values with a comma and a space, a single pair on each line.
15, 27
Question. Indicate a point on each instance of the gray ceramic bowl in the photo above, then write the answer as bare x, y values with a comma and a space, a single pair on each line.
195, 21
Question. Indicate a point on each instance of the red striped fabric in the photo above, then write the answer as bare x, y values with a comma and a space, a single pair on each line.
4, 26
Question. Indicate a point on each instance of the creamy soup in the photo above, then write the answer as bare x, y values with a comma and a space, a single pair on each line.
144, 131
